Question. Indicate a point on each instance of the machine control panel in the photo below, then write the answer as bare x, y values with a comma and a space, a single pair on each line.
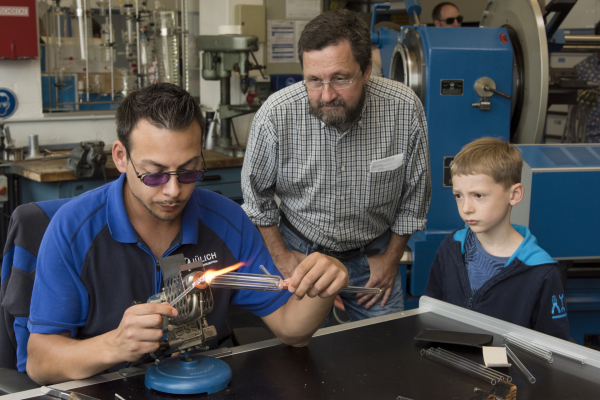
452, 87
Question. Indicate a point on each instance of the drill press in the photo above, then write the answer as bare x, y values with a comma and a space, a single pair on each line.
222, 55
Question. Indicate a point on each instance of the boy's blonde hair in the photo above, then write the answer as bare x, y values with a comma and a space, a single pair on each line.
490, 156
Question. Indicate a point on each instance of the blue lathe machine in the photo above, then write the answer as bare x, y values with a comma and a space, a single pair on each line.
493, 80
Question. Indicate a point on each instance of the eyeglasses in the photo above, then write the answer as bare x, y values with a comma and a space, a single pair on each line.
336, 84
160, 178
450, 21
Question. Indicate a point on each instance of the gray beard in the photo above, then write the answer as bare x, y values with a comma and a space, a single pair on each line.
341, 120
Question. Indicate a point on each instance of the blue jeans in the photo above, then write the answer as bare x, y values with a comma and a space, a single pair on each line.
359, 274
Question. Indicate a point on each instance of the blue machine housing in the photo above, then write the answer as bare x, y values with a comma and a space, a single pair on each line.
560, 207
457, 54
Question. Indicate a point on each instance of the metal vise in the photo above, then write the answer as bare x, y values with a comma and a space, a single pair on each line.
88, 160
189, 330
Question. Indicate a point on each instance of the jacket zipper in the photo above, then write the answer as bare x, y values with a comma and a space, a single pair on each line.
465, 276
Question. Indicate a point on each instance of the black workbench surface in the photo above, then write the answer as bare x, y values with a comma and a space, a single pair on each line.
379, 361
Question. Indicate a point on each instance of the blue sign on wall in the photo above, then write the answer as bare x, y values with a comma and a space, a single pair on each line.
8, 103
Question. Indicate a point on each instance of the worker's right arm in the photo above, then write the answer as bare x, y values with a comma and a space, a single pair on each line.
54, 358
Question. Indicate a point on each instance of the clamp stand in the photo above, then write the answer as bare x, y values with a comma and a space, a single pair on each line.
189, 375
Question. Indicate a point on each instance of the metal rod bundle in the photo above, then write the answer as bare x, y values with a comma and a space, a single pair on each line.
465, 365
529, 347
519, 364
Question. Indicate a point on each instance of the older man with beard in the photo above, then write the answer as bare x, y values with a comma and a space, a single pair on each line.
347, 155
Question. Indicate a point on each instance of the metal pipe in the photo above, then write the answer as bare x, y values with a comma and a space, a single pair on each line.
49, 71
580, 49
89, 102
137, 44
87, 67
225, 101
581, 39
112, 65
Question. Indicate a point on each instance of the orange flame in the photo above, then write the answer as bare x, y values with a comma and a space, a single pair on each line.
211, 274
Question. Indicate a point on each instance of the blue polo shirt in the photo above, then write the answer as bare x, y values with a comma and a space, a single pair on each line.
92, 264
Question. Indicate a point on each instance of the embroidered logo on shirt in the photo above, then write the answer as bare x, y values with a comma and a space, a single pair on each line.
560, 310
207, 259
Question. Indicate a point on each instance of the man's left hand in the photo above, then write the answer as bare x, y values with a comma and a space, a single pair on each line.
318, 275
383, 276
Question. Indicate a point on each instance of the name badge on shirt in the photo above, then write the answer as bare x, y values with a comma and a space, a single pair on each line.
387, 164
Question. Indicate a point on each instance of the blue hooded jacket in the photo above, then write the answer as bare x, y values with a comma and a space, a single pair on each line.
528, 292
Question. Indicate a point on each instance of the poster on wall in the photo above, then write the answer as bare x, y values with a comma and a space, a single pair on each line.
281, 41
302, 9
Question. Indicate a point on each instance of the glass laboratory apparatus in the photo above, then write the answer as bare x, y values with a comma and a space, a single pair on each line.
167, 45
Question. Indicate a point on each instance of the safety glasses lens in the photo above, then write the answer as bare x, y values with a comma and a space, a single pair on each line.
154, 180
190, 176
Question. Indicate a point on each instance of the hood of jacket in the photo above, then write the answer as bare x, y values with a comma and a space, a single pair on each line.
528, 252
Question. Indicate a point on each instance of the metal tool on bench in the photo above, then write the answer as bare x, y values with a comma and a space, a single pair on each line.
88, 160
65, 394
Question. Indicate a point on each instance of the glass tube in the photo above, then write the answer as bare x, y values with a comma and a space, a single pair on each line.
432, 355
57, 67
482, 368
274, 283
529, 347
519, 364
167, 50
84, 25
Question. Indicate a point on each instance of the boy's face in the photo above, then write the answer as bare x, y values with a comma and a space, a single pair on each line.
482, 203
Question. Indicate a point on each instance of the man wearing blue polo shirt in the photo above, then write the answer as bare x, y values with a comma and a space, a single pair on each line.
100, 251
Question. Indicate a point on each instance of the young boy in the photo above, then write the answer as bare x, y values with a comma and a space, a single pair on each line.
491, 266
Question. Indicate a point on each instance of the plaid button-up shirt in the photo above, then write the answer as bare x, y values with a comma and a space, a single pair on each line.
324, 177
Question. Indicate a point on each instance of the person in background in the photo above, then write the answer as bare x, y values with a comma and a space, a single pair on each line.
446, 14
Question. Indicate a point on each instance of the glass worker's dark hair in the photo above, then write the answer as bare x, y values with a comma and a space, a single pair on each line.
164, 105
436, 14
333, 27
